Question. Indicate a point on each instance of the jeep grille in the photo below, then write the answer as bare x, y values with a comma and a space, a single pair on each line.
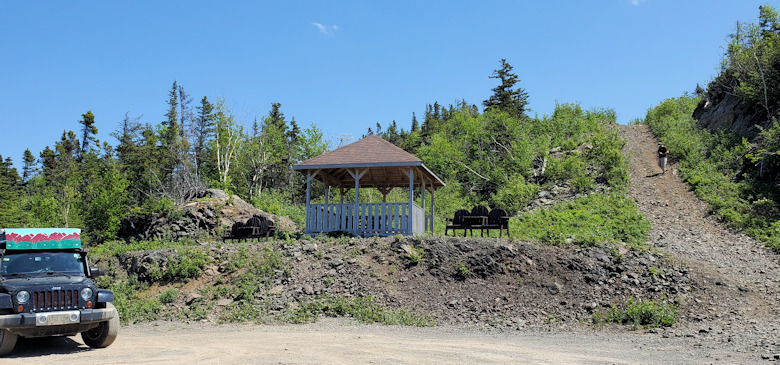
52, 300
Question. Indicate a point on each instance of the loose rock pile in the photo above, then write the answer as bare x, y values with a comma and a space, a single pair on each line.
475, 282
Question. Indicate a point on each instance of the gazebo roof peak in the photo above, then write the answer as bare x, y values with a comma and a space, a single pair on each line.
383, 161
371, 151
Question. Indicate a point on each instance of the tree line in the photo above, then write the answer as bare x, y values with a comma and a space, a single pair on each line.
485, 156
83, 182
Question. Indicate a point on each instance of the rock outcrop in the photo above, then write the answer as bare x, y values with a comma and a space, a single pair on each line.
727, 112
208, 214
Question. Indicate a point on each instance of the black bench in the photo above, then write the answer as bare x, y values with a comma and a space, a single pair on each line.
254, 228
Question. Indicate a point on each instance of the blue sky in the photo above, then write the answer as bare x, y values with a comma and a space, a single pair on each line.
343, 65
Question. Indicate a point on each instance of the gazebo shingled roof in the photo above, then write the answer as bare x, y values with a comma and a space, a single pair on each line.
383, 160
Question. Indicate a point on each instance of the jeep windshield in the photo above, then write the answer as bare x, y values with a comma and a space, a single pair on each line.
32, 263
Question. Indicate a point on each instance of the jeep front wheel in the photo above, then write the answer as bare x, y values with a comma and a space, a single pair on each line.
7, 342
105, 333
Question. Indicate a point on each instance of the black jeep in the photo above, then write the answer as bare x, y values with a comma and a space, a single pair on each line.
46, 289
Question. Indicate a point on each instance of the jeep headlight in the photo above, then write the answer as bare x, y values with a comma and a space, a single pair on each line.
86, 294
22, 296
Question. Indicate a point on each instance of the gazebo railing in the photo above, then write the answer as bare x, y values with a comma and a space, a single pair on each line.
369, 219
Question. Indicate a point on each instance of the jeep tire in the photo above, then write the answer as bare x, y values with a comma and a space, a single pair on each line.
105, 333
7, 342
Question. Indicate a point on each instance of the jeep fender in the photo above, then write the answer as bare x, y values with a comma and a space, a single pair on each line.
103, 296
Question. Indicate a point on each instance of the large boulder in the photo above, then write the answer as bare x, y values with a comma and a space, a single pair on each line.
209, 213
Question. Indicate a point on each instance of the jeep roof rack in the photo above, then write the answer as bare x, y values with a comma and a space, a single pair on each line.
40, 238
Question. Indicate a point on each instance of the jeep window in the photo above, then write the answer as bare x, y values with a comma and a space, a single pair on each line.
41, 263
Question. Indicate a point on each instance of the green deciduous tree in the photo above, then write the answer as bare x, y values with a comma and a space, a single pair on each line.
228, 140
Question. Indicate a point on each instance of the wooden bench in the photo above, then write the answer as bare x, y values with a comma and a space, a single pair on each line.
481, 218
498, 219
254, 228
456, 222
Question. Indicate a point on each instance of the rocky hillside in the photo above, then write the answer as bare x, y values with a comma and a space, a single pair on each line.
480, 282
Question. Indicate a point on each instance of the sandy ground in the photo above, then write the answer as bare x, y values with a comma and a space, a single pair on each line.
342, 342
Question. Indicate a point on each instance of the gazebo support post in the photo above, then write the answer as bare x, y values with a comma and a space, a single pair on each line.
356, 174
410, 222
309, 177
432, 209
327, 206
422, 193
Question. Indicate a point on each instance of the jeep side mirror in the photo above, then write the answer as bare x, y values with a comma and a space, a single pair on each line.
96, 271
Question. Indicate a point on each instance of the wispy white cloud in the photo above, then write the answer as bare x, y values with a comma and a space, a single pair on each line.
326, 29
636, 2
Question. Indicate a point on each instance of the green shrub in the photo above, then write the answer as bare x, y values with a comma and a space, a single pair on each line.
169, 296
415, 254
463, 271
565, 168
644, 313
515, 195
282, 204
131, 307
189, 263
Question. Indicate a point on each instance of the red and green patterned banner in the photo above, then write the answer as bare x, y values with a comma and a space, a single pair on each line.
42, 238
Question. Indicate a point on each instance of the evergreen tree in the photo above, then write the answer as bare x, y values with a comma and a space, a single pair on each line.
432, 121
88, 132
170, 133
29, 169
293, 138
10, 195
49, 160
203, 131
512, 101
185, 113
170, 138
274, 134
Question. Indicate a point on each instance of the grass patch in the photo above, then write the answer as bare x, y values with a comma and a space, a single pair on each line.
589, 221
642, 313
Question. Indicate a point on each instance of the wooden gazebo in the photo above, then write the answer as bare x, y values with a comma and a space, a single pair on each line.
375, 163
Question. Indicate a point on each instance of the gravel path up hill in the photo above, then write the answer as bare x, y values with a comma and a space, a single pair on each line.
739, 312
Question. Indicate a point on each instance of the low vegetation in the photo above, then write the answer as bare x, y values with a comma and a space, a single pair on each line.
640, 313
591, 220
718, 166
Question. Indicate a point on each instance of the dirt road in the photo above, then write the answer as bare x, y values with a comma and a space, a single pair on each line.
342, 342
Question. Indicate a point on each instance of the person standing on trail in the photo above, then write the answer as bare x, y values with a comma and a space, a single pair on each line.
662, 152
